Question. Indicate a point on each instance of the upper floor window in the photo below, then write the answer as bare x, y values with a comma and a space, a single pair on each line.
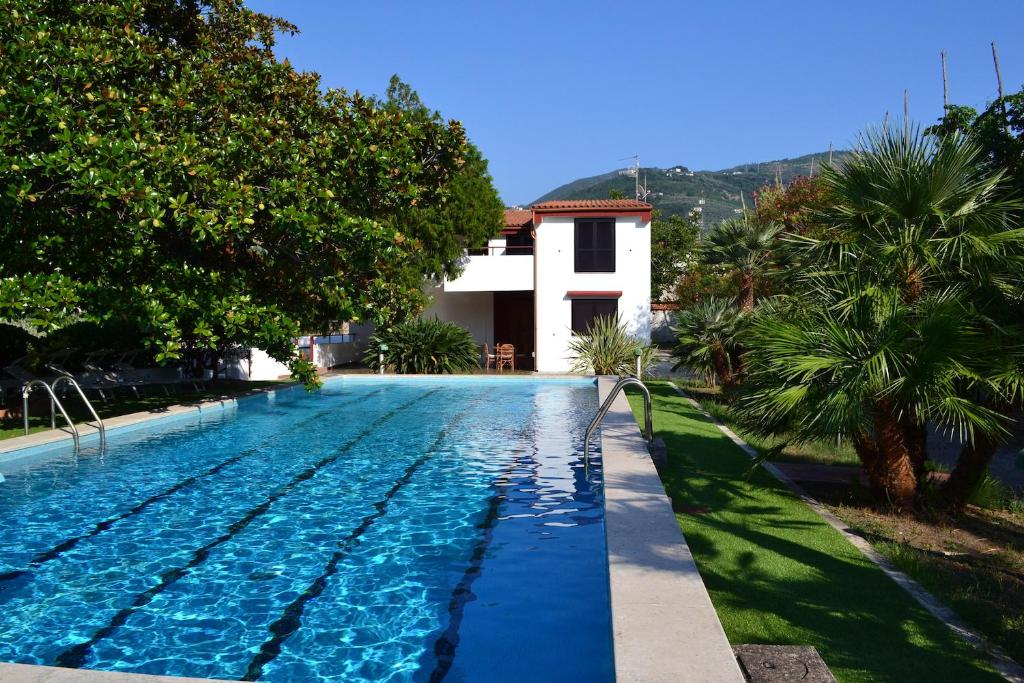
595, 245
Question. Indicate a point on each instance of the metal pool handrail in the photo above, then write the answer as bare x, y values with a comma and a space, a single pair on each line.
54, 401
606, 406
88, 404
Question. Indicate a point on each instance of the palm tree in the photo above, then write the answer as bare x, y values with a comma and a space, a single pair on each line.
745, 246
706, 340
895, 326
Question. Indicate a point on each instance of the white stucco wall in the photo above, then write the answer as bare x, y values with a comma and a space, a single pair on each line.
555, 256
263, 368
472, 310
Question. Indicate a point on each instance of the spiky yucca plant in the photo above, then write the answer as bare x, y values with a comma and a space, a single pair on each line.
424, 346
608, 349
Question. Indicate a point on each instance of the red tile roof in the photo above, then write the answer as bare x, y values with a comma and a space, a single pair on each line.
593, 204
517, 218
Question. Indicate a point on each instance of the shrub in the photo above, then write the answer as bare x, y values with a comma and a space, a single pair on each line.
991, 493
424, 347
706, 340
608, 349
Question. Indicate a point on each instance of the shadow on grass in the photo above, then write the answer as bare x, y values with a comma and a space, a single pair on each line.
779, 574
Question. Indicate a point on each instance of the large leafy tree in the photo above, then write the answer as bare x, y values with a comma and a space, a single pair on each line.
470, 212
896, 321
158, 165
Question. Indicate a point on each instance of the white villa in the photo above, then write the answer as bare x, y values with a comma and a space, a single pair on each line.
552, 269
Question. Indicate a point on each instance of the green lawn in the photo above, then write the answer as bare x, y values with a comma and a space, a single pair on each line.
818, 453
153, 399
779, 574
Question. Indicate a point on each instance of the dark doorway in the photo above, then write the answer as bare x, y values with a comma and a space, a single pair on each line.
513, 324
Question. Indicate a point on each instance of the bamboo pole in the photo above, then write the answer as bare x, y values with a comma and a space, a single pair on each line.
906, 114
945, 83
999, 76
999, 84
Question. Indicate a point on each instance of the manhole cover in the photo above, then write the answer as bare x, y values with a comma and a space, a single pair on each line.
782, 663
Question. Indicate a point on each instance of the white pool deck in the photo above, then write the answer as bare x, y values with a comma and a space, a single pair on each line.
664, 625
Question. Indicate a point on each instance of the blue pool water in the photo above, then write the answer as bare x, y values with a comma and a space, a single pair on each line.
379, 530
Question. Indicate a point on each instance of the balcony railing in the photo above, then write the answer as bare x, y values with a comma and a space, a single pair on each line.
485, 270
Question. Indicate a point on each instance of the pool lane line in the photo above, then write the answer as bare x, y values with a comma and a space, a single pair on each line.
69, 543
291, 618
74, 657
448, 641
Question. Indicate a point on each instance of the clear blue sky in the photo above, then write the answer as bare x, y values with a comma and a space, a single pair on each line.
552, 91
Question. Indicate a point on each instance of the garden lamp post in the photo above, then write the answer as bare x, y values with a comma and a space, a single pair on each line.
380, 357
638, 353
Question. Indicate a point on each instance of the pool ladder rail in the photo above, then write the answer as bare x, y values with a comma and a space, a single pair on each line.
606, 406
55, 405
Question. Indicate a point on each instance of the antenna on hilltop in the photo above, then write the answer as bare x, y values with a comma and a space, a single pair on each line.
641, 191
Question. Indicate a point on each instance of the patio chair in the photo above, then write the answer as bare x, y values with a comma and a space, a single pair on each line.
489, 357
505, 357
96, 376
132, 376
22, 376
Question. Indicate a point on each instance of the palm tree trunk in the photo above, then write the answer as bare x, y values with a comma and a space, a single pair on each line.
745, 301
720, 359
916, 435
892, 478
736, 363
970, 467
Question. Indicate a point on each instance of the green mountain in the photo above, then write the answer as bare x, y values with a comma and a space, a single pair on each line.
677, 190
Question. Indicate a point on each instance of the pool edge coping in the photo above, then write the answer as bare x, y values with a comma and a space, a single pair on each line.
664, 626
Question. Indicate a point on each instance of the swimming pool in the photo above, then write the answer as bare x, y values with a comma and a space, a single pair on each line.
379, 530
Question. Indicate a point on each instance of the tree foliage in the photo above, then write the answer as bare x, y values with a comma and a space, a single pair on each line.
793, 206
744, 246
470, 213
673, 252
894, 324
159, 165
706, 340
998, 131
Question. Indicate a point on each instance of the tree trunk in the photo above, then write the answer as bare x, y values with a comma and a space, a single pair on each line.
970, 467
892, 478
736, 363
720, 359
745, 301
917, 445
